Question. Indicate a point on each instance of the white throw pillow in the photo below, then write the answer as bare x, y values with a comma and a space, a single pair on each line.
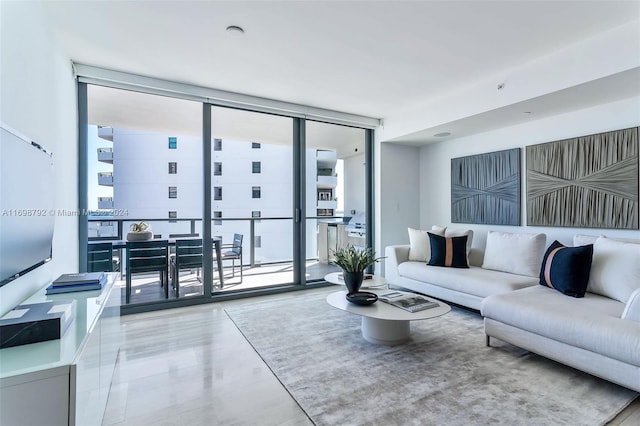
516, 253
420, 246
615, 269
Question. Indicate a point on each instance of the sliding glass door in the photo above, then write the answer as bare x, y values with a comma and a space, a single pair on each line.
268, 197
144, 182
336, 202
252, 197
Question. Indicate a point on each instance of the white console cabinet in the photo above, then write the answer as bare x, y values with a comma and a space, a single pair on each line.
64, 381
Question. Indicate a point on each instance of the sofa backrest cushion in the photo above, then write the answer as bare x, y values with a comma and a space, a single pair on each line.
448, 251
566, 269
515, 253
615, 270
420, 247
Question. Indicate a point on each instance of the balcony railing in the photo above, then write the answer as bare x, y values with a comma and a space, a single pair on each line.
105, 178
105, 155
105, 202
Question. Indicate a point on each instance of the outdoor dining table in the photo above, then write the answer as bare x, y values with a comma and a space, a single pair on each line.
217, 245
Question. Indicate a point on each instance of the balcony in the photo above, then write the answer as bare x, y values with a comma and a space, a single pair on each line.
105, 133
105, 178
105, 203
327, 204
267, 255
326, 159
327, 181
105, 155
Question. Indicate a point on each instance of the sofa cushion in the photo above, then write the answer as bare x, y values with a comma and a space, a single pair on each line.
592, 322
516, 253
420, 247
449, 252
566, 269
615, 270
474, 280
632, 309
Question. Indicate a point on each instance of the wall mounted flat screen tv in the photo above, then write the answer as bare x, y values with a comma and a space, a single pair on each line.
27, 205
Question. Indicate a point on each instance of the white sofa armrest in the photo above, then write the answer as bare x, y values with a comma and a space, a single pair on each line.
632, 310
394, 256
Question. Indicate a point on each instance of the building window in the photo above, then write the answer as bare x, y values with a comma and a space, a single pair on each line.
255, 192
173, 192
255, 145
217, 169
217, 215
173, 143
257, 241
256, 167
217, 193
217, 144
173, 214
173, 167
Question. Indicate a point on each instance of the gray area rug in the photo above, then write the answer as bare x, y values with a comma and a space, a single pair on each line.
444, 376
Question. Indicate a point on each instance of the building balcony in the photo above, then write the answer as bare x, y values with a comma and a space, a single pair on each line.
105, 178
327, 181
105, 203
326, 159
105, 133
105, 155
323, 204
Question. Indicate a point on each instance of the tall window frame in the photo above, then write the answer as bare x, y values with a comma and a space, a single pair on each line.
207, 102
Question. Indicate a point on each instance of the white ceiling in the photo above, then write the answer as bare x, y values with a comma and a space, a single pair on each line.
372, 58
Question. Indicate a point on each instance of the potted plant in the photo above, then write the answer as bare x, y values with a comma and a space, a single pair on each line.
353, 262
140, 231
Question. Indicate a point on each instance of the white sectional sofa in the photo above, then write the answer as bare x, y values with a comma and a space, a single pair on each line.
598, 334
466, 286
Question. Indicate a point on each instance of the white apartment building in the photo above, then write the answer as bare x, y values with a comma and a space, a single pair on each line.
158, 178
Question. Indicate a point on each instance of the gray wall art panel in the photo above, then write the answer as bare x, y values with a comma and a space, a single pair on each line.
585, 182
485, 188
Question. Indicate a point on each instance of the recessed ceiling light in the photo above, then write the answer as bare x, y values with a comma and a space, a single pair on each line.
235, 30
442, 134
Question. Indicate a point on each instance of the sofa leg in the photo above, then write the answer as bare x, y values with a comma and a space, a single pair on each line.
488, 341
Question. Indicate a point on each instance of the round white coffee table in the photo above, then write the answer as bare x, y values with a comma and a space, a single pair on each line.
373, 282
383, 323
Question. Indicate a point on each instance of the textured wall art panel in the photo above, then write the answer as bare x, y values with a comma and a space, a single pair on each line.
485, 188
585, 182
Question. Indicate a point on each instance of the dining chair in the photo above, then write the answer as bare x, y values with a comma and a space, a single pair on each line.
235, 253
188, 255
147, 256
100, 258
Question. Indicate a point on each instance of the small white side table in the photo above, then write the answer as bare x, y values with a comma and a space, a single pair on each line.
373, 282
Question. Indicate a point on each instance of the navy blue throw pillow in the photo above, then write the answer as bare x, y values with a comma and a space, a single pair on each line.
567, 269
451, 252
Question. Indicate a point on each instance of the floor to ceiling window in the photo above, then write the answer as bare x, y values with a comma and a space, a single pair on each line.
267, 196
252, 197
144, 178
335, 193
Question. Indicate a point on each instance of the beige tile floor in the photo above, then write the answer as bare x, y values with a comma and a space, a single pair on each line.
191, 366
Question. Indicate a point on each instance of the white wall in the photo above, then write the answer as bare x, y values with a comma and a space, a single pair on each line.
398, 189
354, 184
38, 98
435, 165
